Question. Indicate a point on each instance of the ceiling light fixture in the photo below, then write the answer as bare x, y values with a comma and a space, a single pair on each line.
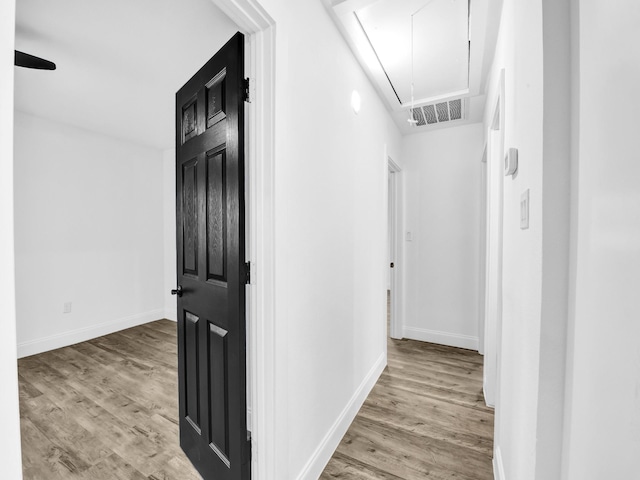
412, 120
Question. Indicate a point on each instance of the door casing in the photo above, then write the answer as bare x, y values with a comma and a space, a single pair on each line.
493, 283
259, 29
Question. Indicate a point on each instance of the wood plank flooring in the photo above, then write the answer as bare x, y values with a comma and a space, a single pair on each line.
425, 418
107, 409
104, 409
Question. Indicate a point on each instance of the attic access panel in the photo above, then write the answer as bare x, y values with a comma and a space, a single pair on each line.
441, 44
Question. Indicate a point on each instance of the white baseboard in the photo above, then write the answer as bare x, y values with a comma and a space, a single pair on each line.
171, 314
39, 345
498, 467
484, 394
318, 461
443, 338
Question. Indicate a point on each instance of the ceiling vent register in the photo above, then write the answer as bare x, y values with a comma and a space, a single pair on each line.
438, 112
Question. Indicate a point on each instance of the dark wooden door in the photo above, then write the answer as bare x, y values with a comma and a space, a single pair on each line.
211, 266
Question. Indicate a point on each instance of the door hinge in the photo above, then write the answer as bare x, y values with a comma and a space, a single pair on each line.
249, 451
247, 273
245, 90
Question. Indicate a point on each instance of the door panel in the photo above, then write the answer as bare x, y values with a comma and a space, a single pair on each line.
190, 215
192, 388
215, 94
218, 368
211, 244
216, 216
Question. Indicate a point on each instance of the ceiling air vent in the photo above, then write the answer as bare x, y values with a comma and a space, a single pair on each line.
438, 112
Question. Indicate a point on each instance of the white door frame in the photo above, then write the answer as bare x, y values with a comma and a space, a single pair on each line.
483, 251
494, 254
394, 223
10, 456
259, 27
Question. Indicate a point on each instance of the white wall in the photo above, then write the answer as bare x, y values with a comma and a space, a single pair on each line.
556, 223
10, 458
169, 232
331, 251
89, 230
519, 53
533, 49
603, 407
441, 171
154, 49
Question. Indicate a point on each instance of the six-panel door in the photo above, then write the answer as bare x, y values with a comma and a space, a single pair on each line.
210, 244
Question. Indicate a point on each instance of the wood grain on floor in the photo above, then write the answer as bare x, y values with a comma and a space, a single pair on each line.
424, 419
105, 409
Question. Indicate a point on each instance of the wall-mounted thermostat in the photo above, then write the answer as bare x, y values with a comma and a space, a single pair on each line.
511, 162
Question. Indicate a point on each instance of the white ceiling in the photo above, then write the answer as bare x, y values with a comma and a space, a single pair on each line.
440, 44
120, 62
453, 43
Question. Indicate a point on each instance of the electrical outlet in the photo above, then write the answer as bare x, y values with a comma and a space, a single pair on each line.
67, 307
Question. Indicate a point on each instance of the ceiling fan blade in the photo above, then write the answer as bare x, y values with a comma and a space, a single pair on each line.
30, 61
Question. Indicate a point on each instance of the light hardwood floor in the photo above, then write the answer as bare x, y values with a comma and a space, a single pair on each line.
104, 409
107, 409
425, 419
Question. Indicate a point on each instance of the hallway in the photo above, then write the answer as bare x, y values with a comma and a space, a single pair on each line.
425, 417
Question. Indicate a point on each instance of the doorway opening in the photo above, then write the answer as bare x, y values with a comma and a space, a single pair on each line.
257, 25
394, 233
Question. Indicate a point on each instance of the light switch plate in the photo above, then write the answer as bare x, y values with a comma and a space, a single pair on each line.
524, 210
409, 237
